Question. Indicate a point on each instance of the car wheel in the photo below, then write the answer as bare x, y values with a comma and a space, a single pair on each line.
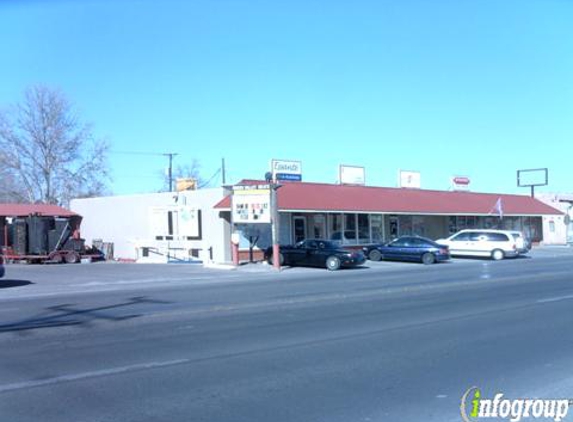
497, 255
374, 255
332, 263
281, 259
428, 258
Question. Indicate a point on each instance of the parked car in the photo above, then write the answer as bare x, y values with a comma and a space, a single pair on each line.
523, 244
408, 248
1, 266
495, 244
317, 253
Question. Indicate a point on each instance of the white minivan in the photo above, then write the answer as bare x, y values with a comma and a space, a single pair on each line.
495, 244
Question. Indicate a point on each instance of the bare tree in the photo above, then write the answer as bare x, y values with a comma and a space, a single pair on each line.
188, 171
48, 154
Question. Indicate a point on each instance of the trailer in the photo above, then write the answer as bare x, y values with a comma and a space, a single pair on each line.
44, 239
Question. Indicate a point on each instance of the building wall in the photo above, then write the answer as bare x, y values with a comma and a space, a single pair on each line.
126, 221
558, 230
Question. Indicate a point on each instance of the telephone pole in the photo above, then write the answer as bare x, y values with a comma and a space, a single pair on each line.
170, 155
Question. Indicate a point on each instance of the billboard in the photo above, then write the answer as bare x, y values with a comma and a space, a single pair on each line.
286, 170
351, 175
251, 204
460, 183
409, 179
532, 177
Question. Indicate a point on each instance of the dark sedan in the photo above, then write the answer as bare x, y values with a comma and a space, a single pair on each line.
317, 253
408, 248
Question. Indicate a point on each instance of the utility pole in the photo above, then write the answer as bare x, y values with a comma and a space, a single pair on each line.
170, 155
223, 170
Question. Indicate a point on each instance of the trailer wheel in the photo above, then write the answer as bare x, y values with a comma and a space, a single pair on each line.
56, 258
72, 258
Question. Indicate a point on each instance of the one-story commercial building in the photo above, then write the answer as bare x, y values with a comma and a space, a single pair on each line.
197, 225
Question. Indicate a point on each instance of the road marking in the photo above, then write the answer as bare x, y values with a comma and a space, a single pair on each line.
91, 374
555, 299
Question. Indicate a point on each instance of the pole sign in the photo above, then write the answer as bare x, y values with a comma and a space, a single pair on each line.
286, 170
409, 179
461, 183
251, 204
351, 175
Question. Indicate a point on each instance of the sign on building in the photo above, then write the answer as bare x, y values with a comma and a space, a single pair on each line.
251, 204
409, 179
185, 184
351, 175
286, 170
460, 183
173, 222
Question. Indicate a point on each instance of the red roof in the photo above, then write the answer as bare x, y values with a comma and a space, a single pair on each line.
23, 210
302, 196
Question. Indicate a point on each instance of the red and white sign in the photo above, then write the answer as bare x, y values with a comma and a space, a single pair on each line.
409, 179
461, 183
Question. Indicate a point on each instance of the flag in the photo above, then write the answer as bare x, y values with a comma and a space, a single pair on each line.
497, 208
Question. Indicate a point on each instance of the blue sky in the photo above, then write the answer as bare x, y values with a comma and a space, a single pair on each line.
478, 88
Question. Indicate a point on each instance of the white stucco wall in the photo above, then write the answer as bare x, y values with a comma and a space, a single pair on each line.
125, 221
556, 229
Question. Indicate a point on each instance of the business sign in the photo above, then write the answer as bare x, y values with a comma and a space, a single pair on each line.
180, 222
351, 175
286, 170
460, 183
409, 179
251, 204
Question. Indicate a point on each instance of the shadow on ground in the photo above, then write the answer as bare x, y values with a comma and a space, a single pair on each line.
65, 315
6, 283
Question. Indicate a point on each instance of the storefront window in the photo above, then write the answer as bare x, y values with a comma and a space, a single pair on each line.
452, 224
363, 229
405, 223
349, 229
377, 228
418, 223
335, 227
319, 226
471, 222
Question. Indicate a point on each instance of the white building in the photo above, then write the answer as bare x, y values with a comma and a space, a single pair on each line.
558, 229
158, 227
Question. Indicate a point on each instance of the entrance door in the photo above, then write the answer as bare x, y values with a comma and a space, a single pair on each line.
299, 229
394, 227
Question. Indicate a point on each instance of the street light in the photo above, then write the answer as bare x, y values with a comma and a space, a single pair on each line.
274, 186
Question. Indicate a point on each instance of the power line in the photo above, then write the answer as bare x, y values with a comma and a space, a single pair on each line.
210, 179
136, 153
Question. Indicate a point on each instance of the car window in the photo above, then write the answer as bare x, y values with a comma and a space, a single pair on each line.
477, 236
312, 244
419, 243
461, 237
399, 243
497, 237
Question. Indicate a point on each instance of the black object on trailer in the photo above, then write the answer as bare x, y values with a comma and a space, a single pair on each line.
44, 239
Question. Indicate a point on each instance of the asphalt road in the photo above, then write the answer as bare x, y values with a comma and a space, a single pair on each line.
393, 342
